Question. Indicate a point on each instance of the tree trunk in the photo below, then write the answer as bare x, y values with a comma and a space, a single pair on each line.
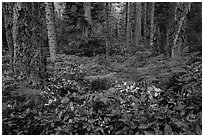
107, 29
87, 15
182, 8
152, 25
51, 30
15, 35
30, 60
4, 39
170, 29
176, 29
145, 21
137, 23
132, 22
128, 27
87, 12
8, 16
157, 40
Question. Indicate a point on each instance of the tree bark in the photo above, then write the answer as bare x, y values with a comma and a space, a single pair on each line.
51, 30
8, 16
107, 29
128, 27
176, 29
87, 15
152, 25
182, 8
4, 39
145, 21
30, 60
137, 23
170, 28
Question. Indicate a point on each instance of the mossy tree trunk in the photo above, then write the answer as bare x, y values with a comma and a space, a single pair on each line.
30, 60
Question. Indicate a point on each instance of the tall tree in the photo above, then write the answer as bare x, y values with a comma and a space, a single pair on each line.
137, 22
87, 12
107, 28
132, 21
175, 38
4, 39
157, 48
181, 10
30, 60
152, 25
8, 18
145, 21
88, 18
128, 23
169, 27
51, 29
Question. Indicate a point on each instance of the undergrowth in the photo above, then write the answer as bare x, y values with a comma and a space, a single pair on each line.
69, 105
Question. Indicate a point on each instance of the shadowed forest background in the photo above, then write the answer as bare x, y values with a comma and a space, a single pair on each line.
102, 68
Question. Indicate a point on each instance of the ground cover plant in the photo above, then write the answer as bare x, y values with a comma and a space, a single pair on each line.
70, 106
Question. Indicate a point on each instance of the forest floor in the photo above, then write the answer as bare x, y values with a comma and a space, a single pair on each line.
118, 97
130, 69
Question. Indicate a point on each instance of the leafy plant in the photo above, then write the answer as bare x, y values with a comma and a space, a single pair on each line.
68, 106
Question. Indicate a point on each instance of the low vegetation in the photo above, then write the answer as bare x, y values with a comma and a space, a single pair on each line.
76, 101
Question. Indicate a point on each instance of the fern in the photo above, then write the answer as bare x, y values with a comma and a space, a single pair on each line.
88, 98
